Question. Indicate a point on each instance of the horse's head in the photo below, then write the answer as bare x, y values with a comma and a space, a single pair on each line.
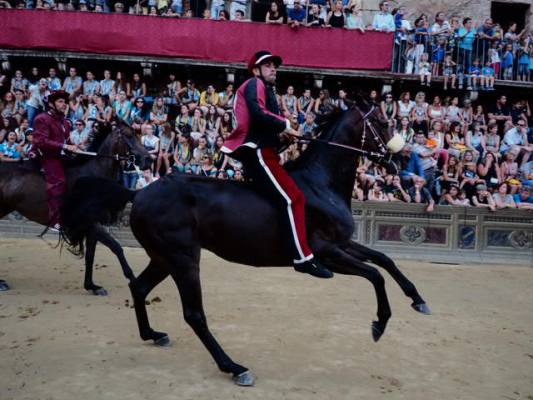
125, 144
375, 136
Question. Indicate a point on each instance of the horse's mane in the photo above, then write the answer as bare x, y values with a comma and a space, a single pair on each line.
326, 126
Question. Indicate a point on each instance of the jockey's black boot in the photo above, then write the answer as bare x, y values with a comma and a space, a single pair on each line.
313, 267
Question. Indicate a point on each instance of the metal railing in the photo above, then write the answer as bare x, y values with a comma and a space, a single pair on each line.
468, 57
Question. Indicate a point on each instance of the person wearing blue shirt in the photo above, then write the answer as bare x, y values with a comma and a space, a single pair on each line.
524, 199
296, 15
523, 63
467, 36
9, 150
487, 76
410, 165
474, 72
507, 62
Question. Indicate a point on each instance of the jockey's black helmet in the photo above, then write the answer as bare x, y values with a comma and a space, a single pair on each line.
262, 57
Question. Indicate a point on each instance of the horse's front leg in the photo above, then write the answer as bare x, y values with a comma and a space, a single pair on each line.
363, 253
107, 240
341, 262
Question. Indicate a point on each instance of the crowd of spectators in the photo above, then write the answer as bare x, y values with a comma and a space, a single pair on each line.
467, 53
457, 152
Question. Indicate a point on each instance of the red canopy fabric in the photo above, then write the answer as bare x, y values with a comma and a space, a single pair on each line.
221, 41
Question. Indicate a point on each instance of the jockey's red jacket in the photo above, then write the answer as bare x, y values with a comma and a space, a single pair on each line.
256, 118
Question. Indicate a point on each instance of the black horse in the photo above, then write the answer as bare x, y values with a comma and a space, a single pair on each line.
22, 188
177, 216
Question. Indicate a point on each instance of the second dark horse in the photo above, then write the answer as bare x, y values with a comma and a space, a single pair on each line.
22, 188
177, 216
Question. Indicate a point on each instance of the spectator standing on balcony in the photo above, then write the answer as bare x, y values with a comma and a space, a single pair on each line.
237, 7
274, 16
421, 41
314, 18
54, 83
487, 35
507, 62
467, 36
383, 20
523, 62
336, 18
35, 104
354, 20
216, 7
73, 83
441, 29
296, 15
107, 84
438, 54
494, 58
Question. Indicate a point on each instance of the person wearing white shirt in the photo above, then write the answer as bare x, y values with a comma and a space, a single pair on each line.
80, 135
384, 21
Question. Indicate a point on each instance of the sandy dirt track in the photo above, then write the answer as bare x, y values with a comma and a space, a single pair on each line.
304, 338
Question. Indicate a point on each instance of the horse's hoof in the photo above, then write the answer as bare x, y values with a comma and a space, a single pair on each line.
163, 341
245, 378
100, 292
421, 308
376, 331
3, 286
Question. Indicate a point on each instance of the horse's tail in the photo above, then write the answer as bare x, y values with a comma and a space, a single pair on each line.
91, 201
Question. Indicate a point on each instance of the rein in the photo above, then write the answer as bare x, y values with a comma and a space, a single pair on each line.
366, 122
116, 157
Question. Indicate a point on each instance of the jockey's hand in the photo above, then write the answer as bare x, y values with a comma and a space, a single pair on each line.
288, 135
70, 147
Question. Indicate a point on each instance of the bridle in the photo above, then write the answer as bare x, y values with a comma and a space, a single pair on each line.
117, 156
382, 155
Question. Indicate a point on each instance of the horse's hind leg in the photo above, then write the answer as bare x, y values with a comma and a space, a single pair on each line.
90, 249
140, 288
342, 263
186, 273
363, 253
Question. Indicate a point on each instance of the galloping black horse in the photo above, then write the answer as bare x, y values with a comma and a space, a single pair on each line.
22, 188
177, 216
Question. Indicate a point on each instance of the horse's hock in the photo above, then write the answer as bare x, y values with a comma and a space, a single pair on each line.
449, 234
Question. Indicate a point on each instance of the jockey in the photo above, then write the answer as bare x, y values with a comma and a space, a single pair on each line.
256, 141
51, 132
